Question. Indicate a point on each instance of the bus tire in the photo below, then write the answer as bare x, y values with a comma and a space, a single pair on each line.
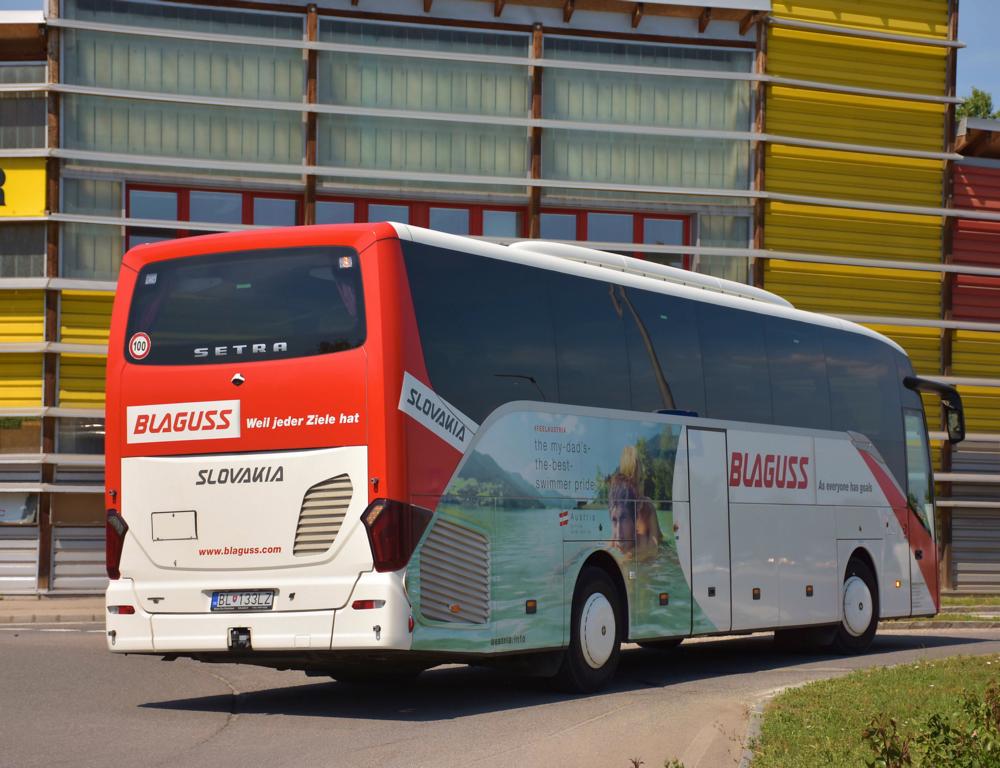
860, 607
595, 634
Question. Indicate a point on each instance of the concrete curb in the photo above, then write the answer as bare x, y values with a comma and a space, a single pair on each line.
904, 625
754, 722
51, 618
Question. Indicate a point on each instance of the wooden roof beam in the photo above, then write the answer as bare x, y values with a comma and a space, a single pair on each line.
498, 7
704, 19
568, 7
753, 17
637, 12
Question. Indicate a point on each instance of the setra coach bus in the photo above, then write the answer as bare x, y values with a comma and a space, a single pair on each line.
366, 449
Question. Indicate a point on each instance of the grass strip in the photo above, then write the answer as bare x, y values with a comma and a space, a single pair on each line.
822, 723
963, 601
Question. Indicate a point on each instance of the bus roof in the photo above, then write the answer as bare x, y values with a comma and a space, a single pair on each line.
623, 270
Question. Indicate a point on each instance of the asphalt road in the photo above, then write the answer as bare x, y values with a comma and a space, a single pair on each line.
65, 701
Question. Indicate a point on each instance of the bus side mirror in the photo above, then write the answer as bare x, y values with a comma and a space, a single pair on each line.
951, 401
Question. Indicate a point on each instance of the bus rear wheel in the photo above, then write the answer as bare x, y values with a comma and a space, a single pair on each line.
859, 600
595, 634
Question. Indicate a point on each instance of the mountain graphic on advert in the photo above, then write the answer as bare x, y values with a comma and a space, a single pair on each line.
481, 477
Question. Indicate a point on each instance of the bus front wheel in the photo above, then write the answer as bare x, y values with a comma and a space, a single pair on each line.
860, 609
595, 634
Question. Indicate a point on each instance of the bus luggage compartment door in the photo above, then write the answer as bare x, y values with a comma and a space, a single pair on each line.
709, 491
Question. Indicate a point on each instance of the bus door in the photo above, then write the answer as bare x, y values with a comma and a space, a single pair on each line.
709, 494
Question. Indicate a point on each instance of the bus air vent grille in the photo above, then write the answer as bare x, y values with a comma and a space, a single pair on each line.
455, 575
323, 509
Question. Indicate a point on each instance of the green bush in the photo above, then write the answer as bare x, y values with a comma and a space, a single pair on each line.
968, 738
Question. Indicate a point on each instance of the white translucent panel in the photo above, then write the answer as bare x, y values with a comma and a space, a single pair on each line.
424, 37
22, 250
645, 160
647, 54
168, 65
22, 120
80, 436
455, 221
217, 207
382, 212
723, 232
422, 146
152, 204
99, 197
177, 16
90, 251
18, 507
334, 212
610, 227
188, 131
557, 226
275, 211
11, 72
501, 223
676, 102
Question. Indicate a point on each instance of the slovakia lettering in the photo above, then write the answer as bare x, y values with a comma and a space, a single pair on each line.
230, 475
440, 416
771, 470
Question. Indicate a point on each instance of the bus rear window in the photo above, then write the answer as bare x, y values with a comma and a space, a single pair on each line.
249, 305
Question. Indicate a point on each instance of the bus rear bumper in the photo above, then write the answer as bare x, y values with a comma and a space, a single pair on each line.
379, 622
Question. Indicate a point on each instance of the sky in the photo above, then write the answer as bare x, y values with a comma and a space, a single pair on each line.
978, 28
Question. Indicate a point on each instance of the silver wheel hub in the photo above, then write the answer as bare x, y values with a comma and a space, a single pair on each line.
857, 606
597, 630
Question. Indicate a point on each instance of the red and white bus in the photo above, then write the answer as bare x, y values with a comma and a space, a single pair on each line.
364, 448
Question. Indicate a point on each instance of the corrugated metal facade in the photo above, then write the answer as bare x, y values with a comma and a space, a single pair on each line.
81, 381
84, 316
20, 380
843, 58
22, 316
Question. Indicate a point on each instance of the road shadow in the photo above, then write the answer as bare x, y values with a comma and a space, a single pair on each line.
453, 692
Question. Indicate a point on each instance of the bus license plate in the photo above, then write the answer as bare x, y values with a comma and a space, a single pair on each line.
246, 600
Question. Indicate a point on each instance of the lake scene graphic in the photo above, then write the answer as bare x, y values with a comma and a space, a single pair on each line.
547, 489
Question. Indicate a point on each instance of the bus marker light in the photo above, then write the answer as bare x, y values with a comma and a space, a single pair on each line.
121, 610
409, 623
664, 598
809, 590
531, 606
367, 605
898, 583
455, 608
756, 593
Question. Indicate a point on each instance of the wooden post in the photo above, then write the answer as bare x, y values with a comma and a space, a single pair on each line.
312, 34
50, 360
535, 135
759, 124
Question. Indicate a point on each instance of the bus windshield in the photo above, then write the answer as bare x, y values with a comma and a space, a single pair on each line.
250, 305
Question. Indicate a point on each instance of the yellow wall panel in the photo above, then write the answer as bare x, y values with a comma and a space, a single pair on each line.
982, 408
857, 62
923, 345
920, 18
847, 232
834, 289
81, 381
855, 119
85, 316
854, 175
22, 316
976, 353
20, 381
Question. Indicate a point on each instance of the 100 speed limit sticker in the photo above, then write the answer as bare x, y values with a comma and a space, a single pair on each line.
139, 345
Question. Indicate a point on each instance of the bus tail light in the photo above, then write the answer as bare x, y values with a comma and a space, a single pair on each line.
394, 528
122, 610
114, 539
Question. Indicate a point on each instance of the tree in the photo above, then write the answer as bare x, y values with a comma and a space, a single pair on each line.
979, 104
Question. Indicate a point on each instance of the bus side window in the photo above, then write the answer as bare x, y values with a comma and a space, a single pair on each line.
864, 393
919, 488
664, 352
800, 395
485, 329
737, 383
590, 342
